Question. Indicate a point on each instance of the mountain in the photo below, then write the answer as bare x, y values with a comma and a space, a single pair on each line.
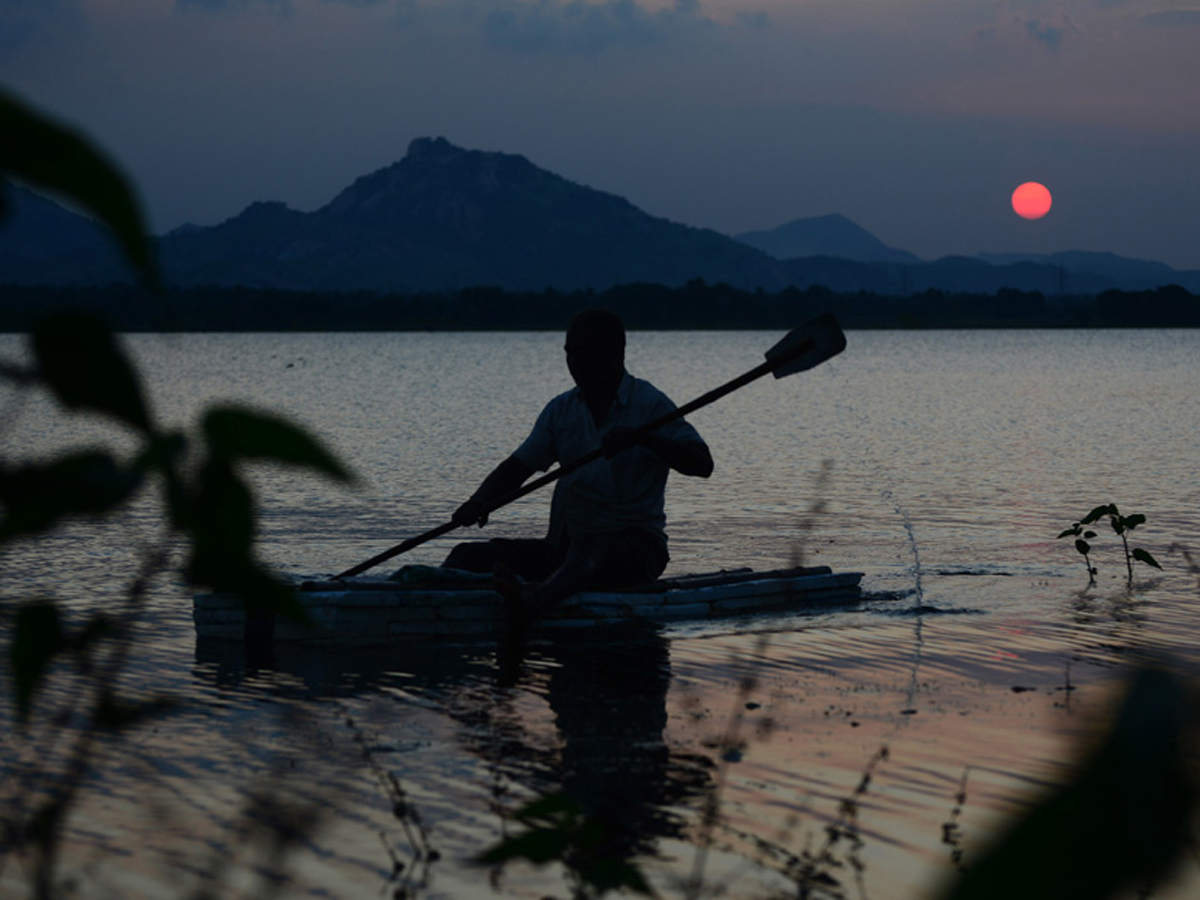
444, 218
833, 235
1080, 266
836, 252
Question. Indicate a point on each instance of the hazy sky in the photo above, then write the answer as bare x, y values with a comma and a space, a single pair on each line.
915, 118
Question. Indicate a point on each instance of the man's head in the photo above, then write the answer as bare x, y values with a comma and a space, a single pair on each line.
595, 348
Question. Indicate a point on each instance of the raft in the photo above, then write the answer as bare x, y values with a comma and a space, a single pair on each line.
424, 601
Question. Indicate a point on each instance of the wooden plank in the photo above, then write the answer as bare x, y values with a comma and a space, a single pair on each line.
391, 609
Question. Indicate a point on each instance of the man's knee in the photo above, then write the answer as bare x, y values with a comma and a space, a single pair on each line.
636, 557
532, 559
472, 556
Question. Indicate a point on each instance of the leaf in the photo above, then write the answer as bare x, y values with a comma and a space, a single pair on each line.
1132, 522
1089, 534
161, 451
258, 589
539, 846
79, 359
238, 433
56, 158
37, 638
1098, 513
250, 582
615, 874
36, 497
549, 808
1083, 547
559, 832
221, 520
1121, 821
1144, 556
1069, 532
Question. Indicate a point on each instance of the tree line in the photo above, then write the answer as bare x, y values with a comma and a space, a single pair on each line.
694, 305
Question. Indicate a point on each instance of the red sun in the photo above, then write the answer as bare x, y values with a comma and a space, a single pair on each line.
1031, 200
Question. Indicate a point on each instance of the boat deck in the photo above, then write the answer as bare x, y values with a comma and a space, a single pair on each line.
459, 604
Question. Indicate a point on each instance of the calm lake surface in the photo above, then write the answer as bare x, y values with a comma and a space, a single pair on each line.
940, 464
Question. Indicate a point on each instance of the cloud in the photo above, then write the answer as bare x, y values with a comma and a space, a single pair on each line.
757, 19
1049, 36
1018, 24
221, 6
579, 26
1172, 18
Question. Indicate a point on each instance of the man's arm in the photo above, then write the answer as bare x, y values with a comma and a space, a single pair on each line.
504, 479
685, 457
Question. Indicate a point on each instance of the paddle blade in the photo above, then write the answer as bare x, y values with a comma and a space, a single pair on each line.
807, 346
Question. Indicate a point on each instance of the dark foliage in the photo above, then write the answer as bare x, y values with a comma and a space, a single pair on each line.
694, 305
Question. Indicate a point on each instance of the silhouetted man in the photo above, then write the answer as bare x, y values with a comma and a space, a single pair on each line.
607, 526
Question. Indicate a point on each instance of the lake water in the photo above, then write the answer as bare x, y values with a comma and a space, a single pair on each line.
940, 464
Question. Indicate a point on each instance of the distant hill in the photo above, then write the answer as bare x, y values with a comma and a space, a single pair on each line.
444, 218
836, 252
955, 274
1080, 267
833, 235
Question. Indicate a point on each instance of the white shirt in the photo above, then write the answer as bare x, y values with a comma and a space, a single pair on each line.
606, 495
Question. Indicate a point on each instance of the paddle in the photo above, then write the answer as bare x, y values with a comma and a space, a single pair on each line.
801, 349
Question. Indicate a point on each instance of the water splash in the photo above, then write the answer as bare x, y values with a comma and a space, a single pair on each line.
914, 549
880, 475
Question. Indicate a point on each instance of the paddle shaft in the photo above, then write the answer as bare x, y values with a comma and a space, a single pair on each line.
715, 394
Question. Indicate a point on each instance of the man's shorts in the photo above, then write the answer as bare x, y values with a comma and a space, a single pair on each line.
626, 558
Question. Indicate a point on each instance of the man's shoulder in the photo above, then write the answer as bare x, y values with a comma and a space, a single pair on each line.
642, 393
566, 399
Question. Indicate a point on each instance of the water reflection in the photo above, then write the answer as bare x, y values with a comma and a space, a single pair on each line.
605, 691
609, 700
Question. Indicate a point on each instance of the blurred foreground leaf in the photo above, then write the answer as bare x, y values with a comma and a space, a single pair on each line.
78, 357
35, 497
238, 433
260, 591
558, 831
1122, 822
221, 515
221, 520
56, 158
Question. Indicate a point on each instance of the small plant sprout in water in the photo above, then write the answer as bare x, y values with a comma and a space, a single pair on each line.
1082, 546
1121, 525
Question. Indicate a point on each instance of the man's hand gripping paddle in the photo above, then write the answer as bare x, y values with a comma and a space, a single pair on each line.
801, 349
